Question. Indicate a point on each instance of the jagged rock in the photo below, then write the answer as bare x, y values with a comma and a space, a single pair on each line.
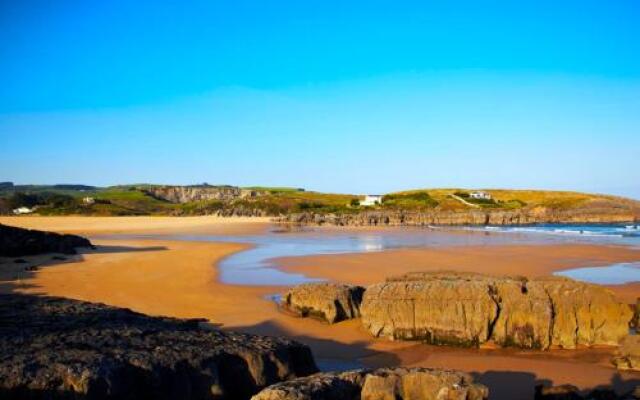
628, 354
54, 348
21, 242
327, 301
471, 309
380, 384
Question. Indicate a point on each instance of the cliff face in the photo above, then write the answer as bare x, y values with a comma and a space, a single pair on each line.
527, 216
186, 194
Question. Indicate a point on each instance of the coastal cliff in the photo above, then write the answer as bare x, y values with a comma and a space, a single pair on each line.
528, 216
186, 194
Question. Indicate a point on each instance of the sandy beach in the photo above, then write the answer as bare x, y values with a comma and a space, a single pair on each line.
180, 278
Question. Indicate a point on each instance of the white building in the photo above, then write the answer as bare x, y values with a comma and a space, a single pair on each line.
22, 210
371, 200
480, 195
88, 200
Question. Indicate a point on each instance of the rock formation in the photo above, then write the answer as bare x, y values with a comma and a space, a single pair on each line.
54, 348
380, 384
186, 194
471, 309
628, 354
609, 213
570, 392
326, 301
21, 242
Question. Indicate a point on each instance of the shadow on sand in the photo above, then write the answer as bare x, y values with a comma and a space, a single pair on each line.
15, 271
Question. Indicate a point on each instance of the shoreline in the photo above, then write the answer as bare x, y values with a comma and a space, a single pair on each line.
181, 279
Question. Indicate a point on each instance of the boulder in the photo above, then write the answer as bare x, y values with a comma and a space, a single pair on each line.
470, 309
56, 348
380, 384
326, 301
21, 242
628, 354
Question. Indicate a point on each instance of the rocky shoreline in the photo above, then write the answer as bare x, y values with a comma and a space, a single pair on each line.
468, 309
538, 215
22, 242
54, 348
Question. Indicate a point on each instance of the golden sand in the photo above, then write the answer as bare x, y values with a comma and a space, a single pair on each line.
173, 278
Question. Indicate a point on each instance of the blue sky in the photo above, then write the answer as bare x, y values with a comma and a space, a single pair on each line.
359, 97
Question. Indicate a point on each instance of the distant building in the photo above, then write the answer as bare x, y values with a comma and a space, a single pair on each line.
88, 200
22, 210
371, 200
480, 195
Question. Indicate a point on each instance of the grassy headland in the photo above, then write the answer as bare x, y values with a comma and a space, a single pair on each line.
144, 199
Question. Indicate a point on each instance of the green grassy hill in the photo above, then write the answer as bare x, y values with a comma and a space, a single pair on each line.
134, 200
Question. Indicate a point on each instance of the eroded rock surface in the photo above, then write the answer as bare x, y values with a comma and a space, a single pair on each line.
326, 301
22, 242
470, 309
628, 355
380, 384
56, 348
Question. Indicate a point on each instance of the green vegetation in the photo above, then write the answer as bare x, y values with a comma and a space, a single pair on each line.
134, 200
409, 200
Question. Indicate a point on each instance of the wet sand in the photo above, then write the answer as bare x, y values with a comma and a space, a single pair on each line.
163, 277
529, 261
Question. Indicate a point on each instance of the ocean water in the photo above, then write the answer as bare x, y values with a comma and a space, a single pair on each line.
256, 265
625, 234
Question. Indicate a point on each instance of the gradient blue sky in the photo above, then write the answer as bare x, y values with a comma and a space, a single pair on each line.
334, 96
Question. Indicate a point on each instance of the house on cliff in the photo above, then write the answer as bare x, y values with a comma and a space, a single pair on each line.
371, 200
480, 195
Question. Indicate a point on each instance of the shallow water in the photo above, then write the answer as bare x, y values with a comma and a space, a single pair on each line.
615, 274
255, 266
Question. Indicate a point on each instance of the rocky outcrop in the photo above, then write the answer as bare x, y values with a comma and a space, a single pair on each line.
386, 383
526, 216
21, 242
186, 194
471, 309
628, 355
54, 348
329, 302
570, 392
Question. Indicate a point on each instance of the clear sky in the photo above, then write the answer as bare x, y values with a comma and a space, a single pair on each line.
328, 95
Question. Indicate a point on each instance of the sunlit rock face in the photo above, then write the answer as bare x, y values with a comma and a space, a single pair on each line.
471, 309
326, 301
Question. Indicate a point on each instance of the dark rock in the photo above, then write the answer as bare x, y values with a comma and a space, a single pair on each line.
21, 242
20, 261
379, 384
53, 348
31, 268
58, 258
561, 392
